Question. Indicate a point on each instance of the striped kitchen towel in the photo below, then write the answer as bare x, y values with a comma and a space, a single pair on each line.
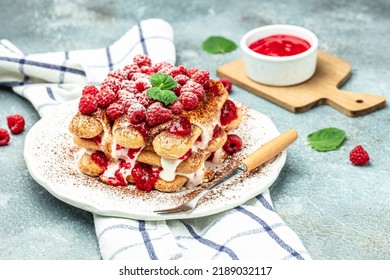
248, 232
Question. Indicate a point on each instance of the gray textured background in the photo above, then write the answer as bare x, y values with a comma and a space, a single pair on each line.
339, 211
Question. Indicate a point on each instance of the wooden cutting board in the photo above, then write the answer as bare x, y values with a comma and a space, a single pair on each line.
322, 88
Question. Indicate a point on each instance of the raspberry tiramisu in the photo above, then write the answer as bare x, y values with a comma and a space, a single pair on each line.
154, 126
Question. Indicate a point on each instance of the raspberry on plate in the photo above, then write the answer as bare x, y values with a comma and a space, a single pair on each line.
233, 144
4, 137
359, 156
16, 123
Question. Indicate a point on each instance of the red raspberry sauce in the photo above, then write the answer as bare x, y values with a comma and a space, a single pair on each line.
280, 45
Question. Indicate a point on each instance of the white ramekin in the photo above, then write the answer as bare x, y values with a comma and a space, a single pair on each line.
283, 70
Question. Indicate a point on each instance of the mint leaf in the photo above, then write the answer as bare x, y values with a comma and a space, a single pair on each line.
163, 81
326, 139
218, 44
165, 96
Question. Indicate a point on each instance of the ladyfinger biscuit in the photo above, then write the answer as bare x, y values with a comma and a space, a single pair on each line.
89, 167
85, 126
165, 186
85, 143
168, 145
125, 135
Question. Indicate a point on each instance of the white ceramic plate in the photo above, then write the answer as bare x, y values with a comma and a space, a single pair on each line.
50, 156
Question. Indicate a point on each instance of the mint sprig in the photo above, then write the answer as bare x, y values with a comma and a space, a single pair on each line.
218, 44
163, 84
326, 139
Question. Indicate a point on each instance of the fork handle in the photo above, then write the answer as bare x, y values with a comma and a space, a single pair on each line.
270, 149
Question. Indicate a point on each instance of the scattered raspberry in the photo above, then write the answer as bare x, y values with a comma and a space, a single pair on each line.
359, 156
233, 144
15, 123
142, 60
189, 100
114, 111
193, 87
105, 97
202, 77
157, 114
226, 83
4, 137
90, 89
100, 158
176, 107
181, 79
137, 113
228, 112
87, 104
180, 126
112, 83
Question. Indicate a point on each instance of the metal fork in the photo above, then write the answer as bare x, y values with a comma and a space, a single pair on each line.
253, 160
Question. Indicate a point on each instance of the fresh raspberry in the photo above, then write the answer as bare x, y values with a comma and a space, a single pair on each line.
163, 65
4, 137
359, 156
176, 107
114, 111
189, 100
118, 74
142, 84
90, 89
233, 144
142, 60
87, 104
181, 79
180, 126
202, 77
137, 113
177, 89
226, 83
149, 70
112, 83
126, 98
15, 123
157, 114
100, 159
131, 69
144, 99
129, 86
228, 112
105, 97
177, 70
191, 71
137, 76
193, 87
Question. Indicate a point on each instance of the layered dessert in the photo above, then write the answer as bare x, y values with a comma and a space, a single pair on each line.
155, 126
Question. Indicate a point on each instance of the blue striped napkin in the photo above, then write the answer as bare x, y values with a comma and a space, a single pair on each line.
251, 231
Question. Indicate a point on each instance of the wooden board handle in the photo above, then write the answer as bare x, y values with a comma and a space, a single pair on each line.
354, 104
270, 149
